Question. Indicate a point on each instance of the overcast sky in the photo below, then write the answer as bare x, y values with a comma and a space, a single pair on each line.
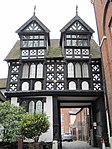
54, 14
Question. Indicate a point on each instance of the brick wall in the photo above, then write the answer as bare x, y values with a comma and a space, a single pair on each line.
103, 12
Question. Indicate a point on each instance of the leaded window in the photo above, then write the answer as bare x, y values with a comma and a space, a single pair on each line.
85, 71
25, 86
32, 41
25, 71
70, 70
39, 106
40, 71
77, 70
72, 85
85, 85
38, 85
32, 70
31, 107
76, 40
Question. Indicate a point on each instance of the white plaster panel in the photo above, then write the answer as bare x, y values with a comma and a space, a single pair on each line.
48, 109
14, 101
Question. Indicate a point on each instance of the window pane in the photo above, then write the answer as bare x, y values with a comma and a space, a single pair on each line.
39, 71
68, 42
80, 42
68, 36
38, 85
30, 43
77, 70
72, 85
85, 70
39, 106
70, 70
85, 85
85, 42
31, 107
25, 86
74, 42
32, 70
41, 43
41, 37
25, 71
35, 43
25, 44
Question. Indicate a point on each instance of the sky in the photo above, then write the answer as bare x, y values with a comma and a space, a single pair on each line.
54, 14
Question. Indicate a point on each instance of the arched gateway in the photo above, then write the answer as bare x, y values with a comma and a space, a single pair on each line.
47, 74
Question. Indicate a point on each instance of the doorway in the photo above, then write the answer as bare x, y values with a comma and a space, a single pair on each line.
89, 122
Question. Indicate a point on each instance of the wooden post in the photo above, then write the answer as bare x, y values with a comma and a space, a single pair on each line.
20, 143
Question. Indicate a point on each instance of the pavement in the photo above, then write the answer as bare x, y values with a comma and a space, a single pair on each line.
77, 145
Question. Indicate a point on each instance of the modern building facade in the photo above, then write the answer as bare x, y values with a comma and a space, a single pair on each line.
49, 74
103, 13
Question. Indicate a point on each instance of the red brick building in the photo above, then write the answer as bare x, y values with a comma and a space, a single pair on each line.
75, 121
103, 13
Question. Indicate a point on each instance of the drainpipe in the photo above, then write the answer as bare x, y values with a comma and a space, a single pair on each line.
102, 40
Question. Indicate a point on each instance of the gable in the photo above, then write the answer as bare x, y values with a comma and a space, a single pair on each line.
33, 24
77, 24
32, 27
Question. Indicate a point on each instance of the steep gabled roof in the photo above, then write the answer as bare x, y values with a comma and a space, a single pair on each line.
72, 21
33, 18
53, 51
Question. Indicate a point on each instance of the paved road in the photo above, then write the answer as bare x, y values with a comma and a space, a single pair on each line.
76, 145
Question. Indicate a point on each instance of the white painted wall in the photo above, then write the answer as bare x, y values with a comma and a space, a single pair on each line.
14, 101
48, 109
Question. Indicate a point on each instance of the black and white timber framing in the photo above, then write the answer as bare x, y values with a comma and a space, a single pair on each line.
43, 69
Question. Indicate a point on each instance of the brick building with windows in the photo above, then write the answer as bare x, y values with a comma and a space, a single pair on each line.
103, 13
76, 122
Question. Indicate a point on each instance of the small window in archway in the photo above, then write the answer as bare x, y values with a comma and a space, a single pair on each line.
85, 85
39, 106
31, 107
25, 86
38, 85
72, 85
